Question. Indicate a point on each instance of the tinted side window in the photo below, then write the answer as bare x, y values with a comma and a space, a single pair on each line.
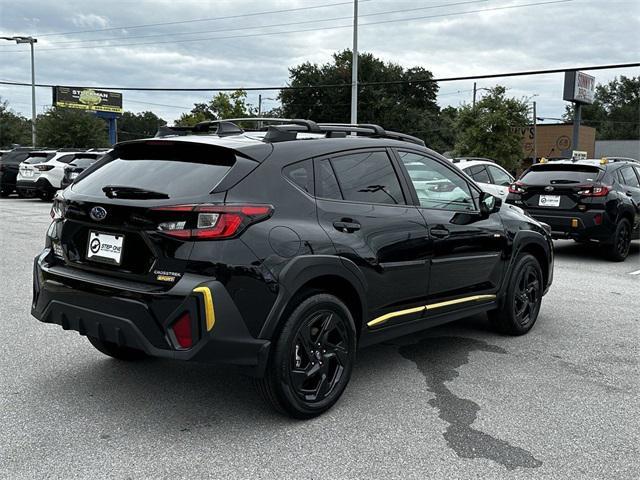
436, 185
500, 177
66, 158
479, 174
629, 178
301, 173
326, 182
368, 177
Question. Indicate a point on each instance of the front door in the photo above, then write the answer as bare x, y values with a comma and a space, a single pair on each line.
362, 207
467, 248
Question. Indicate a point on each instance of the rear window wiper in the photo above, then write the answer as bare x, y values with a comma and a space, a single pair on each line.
119, 191
564, 181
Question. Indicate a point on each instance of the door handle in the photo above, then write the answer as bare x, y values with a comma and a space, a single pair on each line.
346, 227
439, 232
629, 194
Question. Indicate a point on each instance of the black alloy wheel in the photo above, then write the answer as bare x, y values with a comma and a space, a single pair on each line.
312, 358
520, 306
319, 355
528, 294
621, 242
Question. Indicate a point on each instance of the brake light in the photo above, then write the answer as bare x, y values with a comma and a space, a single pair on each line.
43, 168
517, 187
182, 331
594, 190
211, 222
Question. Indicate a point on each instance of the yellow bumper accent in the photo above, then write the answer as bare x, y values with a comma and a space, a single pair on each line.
210, 315
431, 306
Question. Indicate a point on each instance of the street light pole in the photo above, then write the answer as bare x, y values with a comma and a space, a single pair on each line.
30, 41
354, 66
33, 94
535, 134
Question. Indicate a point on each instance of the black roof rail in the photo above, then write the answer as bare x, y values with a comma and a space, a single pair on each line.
370, 129
288, 128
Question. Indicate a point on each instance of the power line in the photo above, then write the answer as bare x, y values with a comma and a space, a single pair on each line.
286, 24
195, 20
315, 29
348, 85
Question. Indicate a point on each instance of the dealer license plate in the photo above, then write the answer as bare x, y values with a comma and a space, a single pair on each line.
104, 247
549, 201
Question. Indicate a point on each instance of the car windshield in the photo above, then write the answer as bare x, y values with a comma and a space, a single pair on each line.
549, 174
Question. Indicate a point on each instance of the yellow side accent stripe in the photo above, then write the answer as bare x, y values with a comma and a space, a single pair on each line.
210, 315
432, 306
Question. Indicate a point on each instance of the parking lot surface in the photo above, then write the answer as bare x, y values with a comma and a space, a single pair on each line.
458, 401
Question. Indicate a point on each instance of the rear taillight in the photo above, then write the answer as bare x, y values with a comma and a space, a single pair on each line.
182, 331
210, 222
43, 168
517, 187
57, 210
594, 190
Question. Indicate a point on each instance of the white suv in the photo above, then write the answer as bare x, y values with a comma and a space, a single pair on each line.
489, 176
41, 174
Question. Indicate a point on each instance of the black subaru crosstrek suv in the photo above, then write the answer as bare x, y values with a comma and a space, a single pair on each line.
282, 251
586, 200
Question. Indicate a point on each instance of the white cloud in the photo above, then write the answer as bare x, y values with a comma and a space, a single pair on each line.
578, 33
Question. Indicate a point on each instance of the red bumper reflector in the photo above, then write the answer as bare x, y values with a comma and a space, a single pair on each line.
182, 330
597, 219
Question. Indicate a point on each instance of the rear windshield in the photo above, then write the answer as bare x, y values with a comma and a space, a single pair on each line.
39, 157
561, 174
15, 157
176, 170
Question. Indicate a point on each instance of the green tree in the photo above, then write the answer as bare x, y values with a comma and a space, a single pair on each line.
406, 107
487, 130
61, 127
615, 112
223, 105
14, 128
138, 125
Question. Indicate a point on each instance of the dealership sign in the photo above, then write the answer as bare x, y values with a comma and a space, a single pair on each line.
87, 99
579, 87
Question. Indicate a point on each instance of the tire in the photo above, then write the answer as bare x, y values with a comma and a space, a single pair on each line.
521, 305
618, 248
121, 353
45, 196
317, 341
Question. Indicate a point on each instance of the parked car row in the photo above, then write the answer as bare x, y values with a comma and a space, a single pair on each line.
41, 172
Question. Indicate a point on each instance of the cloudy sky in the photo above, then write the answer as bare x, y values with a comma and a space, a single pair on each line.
252, 43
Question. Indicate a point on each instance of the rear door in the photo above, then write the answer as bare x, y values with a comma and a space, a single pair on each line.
554, 187
362, 207
467, 249
100, 209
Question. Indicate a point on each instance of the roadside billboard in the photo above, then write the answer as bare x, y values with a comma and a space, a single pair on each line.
579, 87
87, 99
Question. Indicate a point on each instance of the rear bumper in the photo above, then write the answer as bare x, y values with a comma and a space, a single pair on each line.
41, 185
578, 225
139, 316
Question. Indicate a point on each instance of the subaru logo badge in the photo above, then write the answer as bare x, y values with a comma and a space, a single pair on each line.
548, 189
98, 214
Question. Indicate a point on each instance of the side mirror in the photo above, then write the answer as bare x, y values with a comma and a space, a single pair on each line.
489, 204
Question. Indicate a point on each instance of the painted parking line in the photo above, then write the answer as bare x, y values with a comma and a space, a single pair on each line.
637, 272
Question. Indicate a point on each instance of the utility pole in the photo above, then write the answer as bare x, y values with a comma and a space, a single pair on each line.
577, 107
354, 66
474, 95
259, 110
30, 41
535, 134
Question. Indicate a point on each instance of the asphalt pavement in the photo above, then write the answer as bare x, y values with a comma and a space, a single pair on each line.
455, 402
